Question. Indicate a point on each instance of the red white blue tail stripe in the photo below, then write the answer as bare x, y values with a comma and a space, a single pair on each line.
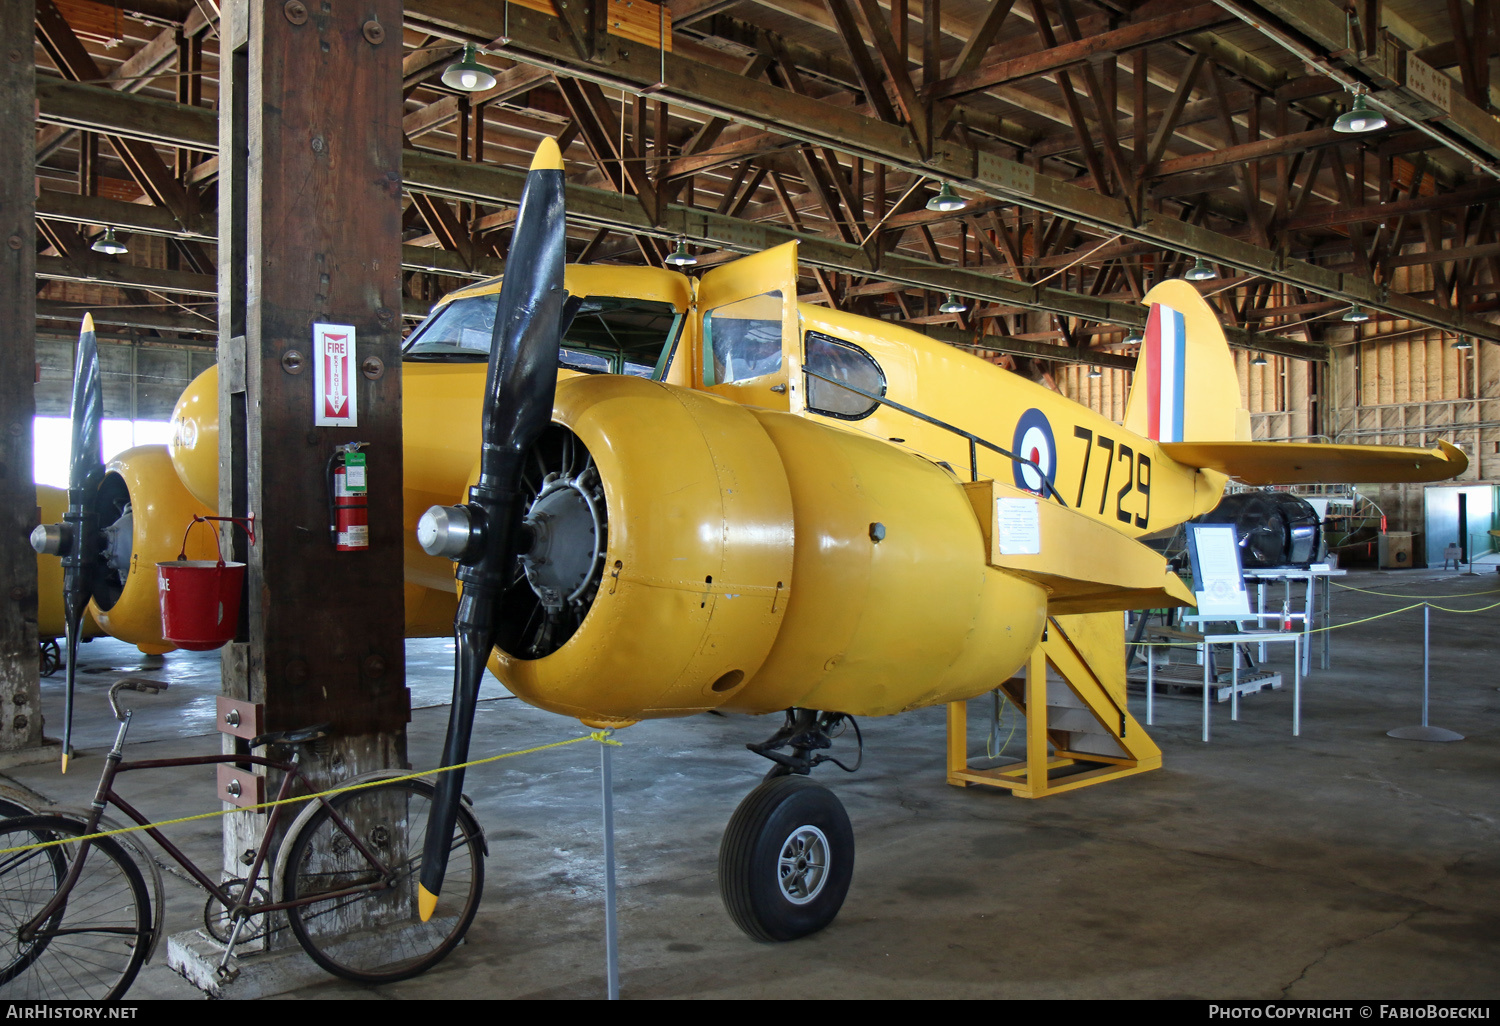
1166, 348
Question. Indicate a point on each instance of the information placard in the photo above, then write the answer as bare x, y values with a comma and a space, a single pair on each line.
1218, 580
1020, 527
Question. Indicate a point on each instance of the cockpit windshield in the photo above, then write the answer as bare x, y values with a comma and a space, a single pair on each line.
605, 334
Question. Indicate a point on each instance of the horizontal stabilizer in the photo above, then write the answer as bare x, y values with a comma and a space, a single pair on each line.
1085, 566
1272, 463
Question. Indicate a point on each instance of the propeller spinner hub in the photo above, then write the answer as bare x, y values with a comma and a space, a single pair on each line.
447, 531
52, 539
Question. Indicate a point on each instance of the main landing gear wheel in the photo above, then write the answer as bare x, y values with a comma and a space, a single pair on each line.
786, 859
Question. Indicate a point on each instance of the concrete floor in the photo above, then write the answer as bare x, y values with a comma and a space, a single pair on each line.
1338, 864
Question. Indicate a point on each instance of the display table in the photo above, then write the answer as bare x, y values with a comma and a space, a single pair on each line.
1310, 577
1230, 633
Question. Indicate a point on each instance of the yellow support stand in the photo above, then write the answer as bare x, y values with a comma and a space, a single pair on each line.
1088, 653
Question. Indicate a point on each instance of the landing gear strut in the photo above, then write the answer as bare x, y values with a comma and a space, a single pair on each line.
788, 853
805, 732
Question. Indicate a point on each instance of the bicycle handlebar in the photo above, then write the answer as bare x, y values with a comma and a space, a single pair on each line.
150, 687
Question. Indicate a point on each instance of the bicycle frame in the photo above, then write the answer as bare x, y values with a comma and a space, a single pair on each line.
106, 795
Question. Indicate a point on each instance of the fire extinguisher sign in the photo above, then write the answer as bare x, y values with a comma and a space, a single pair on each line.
334, 394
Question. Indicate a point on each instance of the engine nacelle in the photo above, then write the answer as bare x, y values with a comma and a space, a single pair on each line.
749, 560
143, 512
194, 446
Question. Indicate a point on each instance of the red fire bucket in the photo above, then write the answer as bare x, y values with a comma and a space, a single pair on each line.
200, 602
200, 598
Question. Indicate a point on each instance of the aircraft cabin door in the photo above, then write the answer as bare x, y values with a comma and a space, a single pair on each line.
749, 331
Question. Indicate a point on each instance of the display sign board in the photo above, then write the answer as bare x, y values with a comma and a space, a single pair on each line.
1020, 526
1218, 579
335, 402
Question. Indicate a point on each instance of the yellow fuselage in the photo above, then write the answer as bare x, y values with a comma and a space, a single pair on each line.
761, 555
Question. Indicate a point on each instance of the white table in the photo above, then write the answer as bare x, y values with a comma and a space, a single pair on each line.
1234, 637
1312, 575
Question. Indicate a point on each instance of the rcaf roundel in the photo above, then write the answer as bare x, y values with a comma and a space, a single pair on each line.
1033, 441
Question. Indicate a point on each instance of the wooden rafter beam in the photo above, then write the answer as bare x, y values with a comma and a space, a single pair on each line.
695, 85
1071, 54
1324, 217
864, 66
445, 176
1026, 347
144, 164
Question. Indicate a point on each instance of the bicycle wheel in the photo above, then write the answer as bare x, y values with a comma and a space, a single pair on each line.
38, 863
92, 947
376, 935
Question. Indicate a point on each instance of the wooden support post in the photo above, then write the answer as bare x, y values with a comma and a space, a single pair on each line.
20, 694
310, 232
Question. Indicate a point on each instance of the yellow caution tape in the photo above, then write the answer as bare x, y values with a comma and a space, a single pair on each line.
601, 736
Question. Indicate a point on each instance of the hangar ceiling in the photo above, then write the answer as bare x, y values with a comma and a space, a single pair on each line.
1100, 145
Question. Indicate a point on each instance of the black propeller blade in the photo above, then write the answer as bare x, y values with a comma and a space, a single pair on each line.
76, 539
481, 535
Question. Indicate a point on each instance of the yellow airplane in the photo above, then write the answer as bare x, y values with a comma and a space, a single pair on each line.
702, 494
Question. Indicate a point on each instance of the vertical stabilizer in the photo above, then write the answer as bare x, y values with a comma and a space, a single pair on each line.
1185, 388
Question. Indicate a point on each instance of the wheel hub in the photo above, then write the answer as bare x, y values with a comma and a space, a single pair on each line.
802, 868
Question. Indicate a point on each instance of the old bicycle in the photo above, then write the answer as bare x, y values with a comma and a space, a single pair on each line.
77, 919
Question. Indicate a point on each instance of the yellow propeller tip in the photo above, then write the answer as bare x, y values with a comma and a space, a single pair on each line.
65, 762
548, 156
426, 902
88, 318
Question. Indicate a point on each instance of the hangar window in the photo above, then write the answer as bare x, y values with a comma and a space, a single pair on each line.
846, 362
742, 340
606, 335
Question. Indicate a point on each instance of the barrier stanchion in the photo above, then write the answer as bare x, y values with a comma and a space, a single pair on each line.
1425, 732
611, 926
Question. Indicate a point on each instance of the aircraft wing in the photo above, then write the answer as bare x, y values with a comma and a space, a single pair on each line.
1271, 463
1085, 566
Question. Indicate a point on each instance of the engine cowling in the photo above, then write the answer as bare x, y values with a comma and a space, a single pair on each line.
194, 446
750, 560
144, 512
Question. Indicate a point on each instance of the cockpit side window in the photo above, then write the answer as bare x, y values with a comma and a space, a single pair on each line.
606, 334
843, 362
742, 340
460, 330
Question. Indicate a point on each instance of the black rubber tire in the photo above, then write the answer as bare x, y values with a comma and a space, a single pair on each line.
322, 857
750, 859
107, 916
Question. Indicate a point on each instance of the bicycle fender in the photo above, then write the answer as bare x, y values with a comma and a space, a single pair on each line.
308, 808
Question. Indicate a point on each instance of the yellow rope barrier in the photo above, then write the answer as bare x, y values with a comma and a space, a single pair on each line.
601, 736
1351, 623
1390, 594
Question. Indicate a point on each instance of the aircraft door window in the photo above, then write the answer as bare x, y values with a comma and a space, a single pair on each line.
742, 340
845, 362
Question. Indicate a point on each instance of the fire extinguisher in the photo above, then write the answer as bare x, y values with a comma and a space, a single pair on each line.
348, 510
